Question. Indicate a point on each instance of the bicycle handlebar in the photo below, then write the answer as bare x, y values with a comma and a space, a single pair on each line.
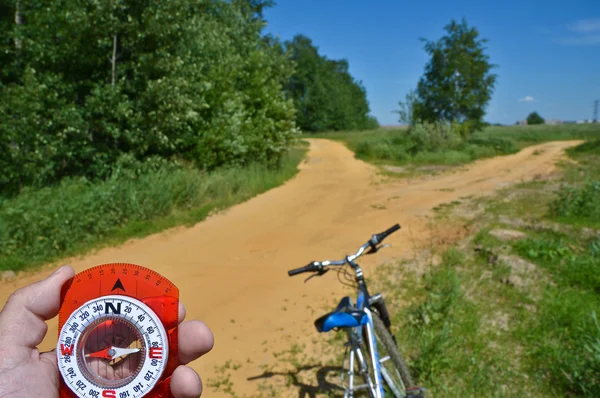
296, 271
316, 266
378, 238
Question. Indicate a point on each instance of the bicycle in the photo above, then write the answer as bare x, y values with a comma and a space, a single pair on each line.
368, 328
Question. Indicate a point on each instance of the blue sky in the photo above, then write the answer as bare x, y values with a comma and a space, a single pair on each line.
547, 52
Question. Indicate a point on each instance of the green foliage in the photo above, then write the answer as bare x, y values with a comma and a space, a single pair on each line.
138, 198
503, 145
406, 111
533, 134
457, 83
565, 335
427, 143
563, 338
446, 331
325, 95
534, 118
581, 203
396, 145
434, 137
183, 79
577, 268
433, 320
589, 147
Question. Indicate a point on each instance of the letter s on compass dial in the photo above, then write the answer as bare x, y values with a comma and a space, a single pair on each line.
112, 346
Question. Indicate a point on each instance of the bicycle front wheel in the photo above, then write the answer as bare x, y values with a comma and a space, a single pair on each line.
393, 369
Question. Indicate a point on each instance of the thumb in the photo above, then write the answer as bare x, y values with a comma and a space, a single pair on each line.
22, 320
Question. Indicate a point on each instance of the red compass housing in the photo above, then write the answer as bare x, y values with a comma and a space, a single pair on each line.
117, 333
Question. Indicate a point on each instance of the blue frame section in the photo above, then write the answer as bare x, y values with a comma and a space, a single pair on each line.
360, 300
340, 319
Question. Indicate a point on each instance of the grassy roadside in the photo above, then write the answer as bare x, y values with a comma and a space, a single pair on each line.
76, 216
394, 146
513, 309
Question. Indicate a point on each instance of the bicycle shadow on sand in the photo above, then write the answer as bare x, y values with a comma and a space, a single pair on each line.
306, 390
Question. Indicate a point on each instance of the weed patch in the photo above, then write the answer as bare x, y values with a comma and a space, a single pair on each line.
581, 204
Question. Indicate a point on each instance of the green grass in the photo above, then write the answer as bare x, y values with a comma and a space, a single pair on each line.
578, 199
395, 146
478, 325
40, 226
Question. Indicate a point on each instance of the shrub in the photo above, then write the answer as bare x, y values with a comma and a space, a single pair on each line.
431, 137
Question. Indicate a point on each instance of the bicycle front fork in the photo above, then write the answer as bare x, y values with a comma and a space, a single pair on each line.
357, 366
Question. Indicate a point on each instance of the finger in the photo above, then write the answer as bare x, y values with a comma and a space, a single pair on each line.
26, 310
181, 313
195, 340
185, 383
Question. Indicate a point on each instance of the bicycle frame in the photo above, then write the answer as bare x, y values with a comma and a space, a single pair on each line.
355, 335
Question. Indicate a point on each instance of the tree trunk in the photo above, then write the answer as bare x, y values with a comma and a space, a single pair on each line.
18, 21
114, 60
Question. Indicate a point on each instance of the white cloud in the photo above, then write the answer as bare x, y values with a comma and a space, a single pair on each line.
585, 25
587, 33
590, 40
527, 98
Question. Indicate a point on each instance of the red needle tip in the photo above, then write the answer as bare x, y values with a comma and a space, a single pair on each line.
100, 354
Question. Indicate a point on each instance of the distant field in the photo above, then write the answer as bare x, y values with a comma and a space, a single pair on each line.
395, 146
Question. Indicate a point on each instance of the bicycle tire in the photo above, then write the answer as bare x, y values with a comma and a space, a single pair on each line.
392, 351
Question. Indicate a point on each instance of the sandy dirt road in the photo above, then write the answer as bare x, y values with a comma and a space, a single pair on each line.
231, 268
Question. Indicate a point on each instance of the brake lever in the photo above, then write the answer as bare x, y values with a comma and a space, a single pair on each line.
320, 272
377, 248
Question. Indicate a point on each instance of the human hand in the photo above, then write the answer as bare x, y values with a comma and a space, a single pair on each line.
25, 372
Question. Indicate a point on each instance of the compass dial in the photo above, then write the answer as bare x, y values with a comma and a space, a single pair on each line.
112, 346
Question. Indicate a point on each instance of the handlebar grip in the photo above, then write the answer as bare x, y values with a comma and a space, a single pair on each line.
381, 236
307, 268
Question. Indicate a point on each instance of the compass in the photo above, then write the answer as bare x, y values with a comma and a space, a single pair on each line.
117, 333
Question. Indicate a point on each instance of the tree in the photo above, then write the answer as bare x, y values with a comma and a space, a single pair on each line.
84, 84
325, 95
534, 118
457, 83
406, 111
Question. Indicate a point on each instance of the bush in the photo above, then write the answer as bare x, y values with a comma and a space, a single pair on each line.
431, 137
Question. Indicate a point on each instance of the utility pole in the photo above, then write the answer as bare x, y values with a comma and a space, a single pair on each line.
596, 111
